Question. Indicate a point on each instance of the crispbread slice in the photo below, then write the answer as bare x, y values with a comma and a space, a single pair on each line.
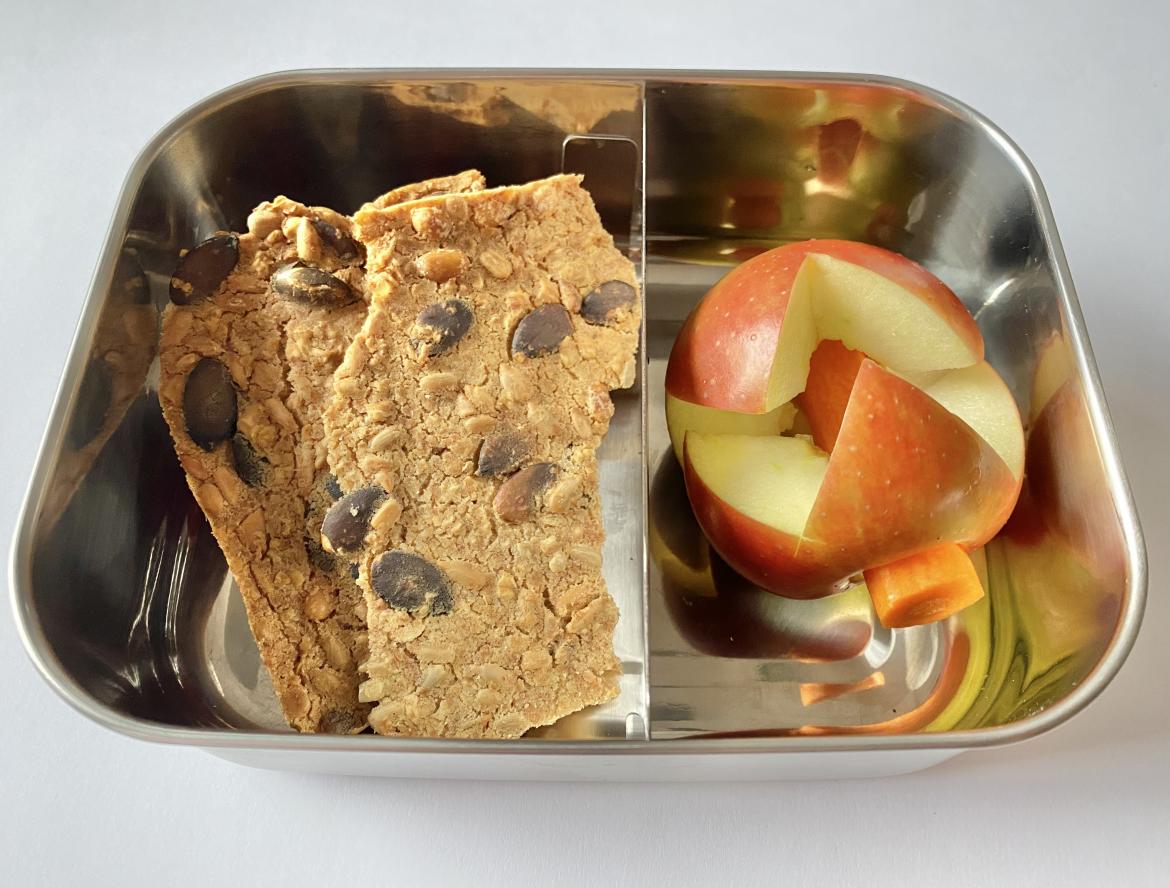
265, 487
464, 430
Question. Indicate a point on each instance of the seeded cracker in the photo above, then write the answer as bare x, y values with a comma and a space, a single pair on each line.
464, 429
259, 324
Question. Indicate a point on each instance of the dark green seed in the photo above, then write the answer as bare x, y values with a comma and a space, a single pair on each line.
209, 403
603, 305
516, 499
348, 520
503, 451
250, 465
332, 487
201, 271
443, 325
303, 283
342, 245
542, 331
318, 557
405, 582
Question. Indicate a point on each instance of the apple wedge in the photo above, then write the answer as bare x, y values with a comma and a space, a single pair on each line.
746, 347
683, 416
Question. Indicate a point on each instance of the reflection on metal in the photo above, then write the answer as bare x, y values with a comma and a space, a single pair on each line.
813, 692
119, 358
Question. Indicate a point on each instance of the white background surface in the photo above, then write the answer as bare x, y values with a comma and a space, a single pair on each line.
1085, 90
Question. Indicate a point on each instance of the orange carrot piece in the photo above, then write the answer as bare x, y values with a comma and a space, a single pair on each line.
832, 370
923, 588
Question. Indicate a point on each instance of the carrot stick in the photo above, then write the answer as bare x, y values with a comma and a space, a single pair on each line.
923, 588
832, 370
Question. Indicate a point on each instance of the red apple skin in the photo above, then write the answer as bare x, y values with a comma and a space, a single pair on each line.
723, 355
905, 474
906, 466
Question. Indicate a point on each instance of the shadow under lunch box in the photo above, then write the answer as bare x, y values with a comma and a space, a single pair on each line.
123, 599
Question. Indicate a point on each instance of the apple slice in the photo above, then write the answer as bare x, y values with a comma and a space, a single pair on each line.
978, 396
752, 497
749, 471
932, 584
878, 312
683, 416
720, 613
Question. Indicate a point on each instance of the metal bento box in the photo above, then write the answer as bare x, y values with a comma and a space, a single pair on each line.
123, 599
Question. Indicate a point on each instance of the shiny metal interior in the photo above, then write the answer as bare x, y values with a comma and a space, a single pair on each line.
122, 595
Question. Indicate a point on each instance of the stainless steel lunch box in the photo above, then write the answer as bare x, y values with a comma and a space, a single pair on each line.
123, 600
